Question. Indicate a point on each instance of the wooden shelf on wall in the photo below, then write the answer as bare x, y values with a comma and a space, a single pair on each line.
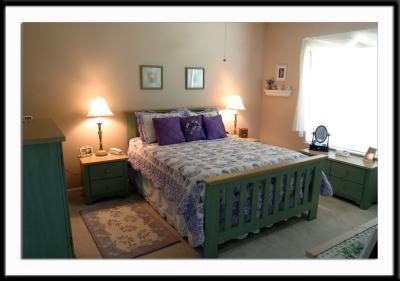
278, 93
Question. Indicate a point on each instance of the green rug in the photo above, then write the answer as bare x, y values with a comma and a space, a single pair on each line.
124, 229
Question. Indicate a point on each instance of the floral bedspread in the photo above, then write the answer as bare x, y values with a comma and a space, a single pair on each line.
179, 169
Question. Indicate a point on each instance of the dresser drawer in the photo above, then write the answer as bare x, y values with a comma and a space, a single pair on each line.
348, 172
107, 170
346, 188
106, 186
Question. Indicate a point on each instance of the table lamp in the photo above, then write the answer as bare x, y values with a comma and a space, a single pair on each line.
235, 103
99, 108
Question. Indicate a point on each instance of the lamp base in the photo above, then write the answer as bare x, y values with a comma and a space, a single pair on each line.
101, 153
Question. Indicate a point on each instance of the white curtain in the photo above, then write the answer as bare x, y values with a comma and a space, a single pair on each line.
338, 89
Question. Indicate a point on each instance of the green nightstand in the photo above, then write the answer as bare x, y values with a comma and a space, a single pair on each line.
104, 176
351, 177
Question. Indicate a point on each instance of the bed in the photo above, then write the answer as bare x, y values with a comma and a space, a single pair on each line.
223, 189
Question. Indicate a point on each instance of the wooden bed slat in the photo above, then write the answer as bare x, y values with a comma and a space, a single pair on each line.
228, 207
297, 191
307, 179
277, 193
254, 200
267, 190
242, 198
287, 189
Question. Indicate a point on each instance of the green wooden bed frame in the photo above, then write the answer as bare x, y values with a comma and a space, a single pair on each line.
309, 168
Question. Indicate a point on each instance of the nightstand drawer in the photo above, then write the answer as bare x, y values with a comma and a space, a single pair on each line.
107, 170
106, 186
346, 188
348, 172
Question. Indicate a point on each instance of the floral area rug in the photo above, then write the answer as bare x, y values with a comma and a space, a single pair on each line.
124, 229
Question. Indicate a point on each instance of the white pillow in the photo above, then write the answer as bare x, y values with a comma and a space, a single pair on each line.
209, 112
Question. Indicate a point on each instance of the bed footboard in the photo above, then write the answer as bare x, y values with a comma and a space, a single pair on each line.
304, 173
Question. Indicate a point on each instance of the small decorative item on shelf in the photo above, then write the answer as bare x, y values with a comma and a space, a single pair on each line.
370, 154
243, 132
270, 83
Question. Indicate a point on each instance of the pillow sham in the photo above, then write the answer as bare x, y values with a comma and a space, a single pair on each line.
209, 112
146, 126
168, 130
214, 127
192, 128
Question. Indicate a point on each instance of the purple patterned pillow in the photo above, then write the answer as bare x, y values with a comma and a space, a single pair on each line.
214, 127
192, 128
168, 130
146, 126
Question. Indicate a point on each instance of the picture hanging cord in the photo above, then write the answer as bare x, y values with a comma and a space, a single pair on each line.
225, 45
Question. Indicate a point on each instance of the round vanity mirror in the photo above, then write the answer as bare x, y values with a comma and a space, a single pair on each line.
321, 133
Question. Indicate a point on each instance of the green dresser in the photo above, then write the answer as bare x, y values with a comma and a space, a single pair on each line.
351, 177
46, 228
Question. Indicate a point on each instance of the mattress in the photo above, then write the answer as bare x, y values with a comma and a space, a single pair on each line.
177, 172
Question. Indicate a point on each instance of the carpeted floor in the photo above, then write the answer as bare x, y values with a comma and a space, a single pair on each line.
287, 240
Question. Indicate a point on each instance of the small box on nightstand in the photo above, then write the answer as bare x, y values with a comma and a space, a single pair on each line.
243, 132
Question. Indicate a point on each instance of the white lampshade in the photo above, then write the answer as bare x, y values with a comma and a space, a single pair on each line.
235, 102
99, 108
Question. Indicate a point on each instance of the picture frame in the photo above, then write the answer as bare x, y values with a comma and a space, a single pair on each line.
370, 154
194, 78
281, 72
85, 151
151, 77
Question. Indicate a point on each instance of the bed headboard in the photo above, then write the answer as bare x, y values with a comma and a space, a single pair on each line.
131, 124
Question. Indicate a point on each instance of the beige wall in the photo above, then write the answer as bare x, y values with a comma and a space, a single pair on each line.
282, 46
66, 65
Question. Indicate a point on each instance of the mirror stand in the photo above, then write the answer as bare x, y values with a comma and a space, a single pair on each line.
320, 135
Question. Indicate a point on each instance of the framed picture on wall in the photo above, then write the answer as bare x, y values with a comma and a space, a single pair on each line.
281, 72
194, 77
151, 77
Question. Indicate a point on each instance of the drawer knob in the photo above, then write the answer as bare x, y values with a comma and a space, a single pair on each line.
107, 171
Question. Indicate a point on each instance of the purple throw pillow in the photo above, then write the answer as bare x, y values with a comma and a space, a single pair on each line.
168, 130
192, 128
214, 127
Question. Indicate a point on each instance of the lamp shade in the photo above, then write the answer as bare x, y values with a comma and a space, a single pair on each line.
99, 108
235, 102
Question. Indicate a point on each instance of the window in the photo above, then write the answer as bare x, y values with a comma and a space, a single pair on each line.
338, 89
